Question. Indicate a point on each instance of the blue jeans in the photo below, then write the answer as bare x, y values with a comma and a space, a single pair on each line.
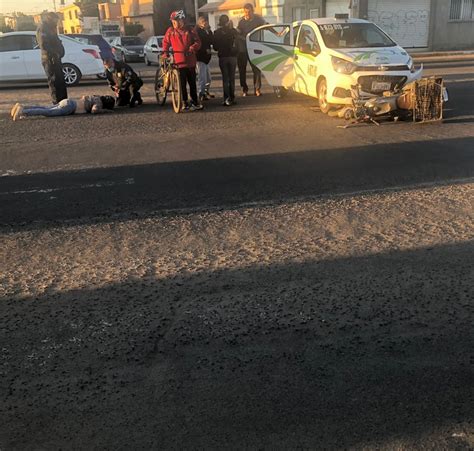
63, 108
204, 77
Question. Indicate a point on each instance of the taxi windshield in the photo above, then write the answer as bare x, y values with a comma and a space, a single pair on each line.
354, 35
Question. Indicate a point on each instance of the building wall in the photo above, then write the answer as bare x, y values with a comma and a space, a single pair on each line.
110, 11
302, 9
71, 19
447, 35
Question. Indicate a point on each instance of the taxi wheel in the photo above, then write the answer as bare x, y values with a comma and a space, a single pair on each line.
324, 106
280, 92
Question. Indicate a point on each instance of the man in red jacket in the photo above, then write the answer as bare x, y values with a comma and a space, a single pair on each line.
185, 43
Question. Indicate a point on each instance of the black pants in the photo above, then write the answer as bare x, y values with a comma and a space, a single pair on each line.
130, 95
242, 60
227, 65
54, 73
188, 74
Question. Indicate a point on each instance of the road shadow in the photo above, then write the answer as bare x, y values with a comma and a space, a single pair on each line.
97, 195
371, 351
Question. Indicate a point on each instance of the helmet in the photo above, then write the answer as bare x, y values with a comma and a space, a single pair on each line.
177, 15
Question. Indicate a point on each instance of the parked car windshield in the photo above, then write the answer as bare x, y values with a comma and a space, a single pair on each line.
132, 41
354, 35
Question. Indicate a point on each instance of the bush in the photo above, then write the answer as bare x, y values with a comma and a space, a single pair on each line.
133, 29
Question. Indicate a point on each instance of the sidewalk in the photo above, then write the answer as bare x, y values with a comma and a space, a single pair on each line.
440, 57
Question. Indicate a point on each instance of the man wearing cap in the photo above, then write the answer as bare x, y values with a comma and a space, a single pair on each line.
248, 23
52, 51
185, 43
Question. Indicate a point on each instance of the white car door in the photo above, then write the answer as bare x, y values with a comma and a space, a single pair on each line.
271, 49
33, 64
307, 53
12, 60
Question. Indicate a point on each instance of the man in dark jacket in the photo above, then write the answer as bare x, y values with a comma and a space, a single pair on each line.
125, 82
203, 56
248, 23
52, 51
185, 43
224, 42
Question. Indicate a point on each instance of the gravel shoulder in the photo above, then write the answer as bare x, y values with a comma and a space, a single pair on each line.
333, 323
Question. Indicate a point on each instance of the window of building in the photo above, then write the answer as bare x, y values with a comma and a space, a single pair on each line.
299, 13
461, 10
70, 15
75, 13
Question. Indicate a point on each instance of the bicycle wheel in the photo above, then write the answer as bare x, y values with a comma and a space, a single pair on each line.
176, 96
160, 86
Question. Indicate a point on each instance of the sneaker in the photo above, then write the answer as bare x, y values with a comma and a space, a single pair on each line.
228, 102
202, 97
18, 113
244, 93
209, 95
13, 110
224, 103
258, 93
194, 107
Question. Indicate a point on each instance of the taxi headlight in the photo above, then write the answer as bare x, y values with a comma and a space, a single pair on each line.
343, 66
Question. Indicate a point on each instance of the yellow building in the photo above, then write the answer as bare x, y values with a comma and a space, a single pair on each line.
72, 22
139, 11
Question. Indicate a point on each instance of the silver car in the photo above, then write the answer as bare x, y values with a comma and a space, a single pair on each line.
153, 47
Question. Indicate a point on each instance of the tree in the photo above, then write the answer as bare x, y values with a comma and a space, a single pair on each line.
133, 29
26, 26
89, 8
4, 28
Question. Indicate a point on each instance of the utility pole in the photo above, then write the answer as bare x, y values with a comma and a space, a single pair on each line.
196, 7
54, 5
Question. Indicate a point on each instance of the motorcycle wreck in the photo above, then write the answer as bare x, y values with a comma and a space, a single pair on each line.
420, 101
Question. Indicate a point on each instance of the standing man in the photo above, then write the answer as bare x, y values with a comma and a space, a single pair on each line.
203, 58
185, 43
52, 51
248, 23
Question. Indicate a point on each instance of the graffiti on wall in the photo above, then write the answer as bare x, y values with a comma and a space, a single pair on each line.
408, 27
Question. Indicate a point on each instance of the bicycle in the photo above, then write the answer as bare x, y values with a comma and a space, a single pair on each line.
167, 80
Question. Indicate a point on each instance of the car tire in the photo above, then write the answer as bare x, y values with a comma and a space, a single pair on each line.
72, 75
280, 92
102, 76
148, 63
324, 106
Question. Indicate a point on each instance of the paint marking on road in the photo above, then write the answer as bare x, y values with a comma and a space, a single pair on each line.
326, 196
129, 181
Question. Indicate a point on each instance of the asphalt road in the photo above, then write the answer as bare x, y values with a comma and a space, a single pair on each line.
250, 277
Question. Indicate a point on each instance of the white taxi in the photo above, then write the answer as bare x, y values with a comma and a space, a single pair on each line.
323, 58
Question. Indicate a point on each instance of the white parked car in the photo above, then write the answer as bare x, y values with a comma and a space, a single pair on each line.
20, 58
323, 58
153, 47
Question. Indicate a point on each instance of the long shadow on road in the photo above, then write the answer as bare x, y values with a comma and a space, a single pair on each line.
363, 351
97, 194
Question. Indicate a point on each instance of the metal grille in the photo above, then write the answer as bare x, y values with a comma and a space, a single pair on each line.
428, 100
382, 68
366, 81
461, 10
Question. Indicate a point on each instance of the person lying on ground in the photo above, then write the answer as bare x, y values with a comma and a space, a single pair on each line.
86, 104
125, 82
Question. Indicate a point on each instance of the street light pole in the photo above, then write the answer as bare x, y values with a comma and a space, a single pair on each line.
54, 5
